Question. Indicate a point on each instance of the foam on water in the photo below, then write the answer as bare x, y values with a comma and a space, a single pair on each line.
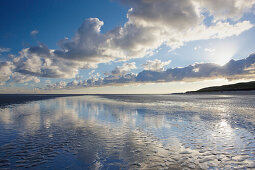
129, 132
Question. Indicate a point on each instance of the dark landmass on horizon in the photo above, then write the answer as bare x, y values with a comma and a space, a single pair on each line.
246, 86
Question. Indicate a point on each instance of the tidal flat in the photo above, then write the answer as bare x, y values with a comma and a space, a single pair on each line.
129, 132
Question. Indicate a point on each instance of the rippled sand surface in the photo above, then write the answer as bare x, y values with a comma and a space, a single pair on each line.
130, 132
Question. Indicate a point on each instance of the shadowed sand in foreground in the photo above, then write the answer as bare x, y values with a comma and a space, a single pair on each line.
8, 99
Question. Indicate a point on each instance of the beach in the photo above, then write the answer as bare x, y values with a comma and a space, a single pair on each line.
129, 132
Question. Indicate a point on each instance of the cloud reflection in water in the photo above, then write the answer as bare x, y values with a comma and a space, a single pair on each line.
129, 132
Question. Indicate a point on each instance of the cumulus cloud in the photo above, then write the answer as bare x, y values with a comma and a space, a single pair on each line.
8, 73
34, 32
57, 85
86, 44
74, 83
124, 69
127, 78
224, 9
47, 82
39, 61
21, 78
234, 69
178, 14
177, 21
4, 50
6, 69
119, 74
220, 30
155, 65
91, 72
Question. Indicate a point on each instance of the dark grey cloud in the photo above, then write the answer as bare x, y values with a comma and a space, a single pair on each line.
41, 50
40, 61
86, 43
179, 14
234, 69
127, 78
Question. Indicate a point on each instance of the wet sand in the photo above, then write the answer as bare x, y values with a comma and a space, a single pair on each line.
130, 132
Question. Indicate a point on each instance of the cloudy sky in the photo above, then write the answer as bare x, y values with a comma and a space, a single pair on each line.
125, 46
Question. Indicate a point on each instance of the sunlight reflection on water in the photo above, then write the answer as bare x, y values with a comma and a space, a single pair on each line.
129, 132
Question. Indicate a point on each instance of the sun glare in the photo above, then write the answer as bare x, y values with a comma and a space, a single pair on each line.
222, 58
222, 53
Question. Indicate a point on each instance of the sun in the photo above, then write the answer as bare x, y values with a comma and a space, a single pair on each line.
222, 53
222, 58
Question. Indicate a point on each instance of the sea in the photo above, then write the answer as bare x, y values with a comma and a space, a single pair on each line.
182, 131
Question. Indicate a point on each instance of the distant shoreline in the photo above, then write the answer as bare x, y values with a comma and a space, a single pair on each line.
238, 88
241, 92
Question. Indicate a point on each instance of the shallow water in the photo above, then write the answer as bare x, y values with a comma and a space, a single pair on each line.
130, 132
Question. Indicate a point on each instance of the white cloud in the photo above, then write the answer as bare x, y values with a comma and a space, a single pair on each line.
21, 78
155, 65
6, 69
94, 76
183, 23
177, 14
58, 85
232, 70
4, 50
209, 50
34, 32
220, 30
127, 78
47, 82
74, 83
124, 69
224, 9
39, 61
8, 73
91, 72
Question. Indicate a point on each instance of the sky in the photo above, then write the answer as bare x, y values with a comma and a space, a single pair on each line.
125, 46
